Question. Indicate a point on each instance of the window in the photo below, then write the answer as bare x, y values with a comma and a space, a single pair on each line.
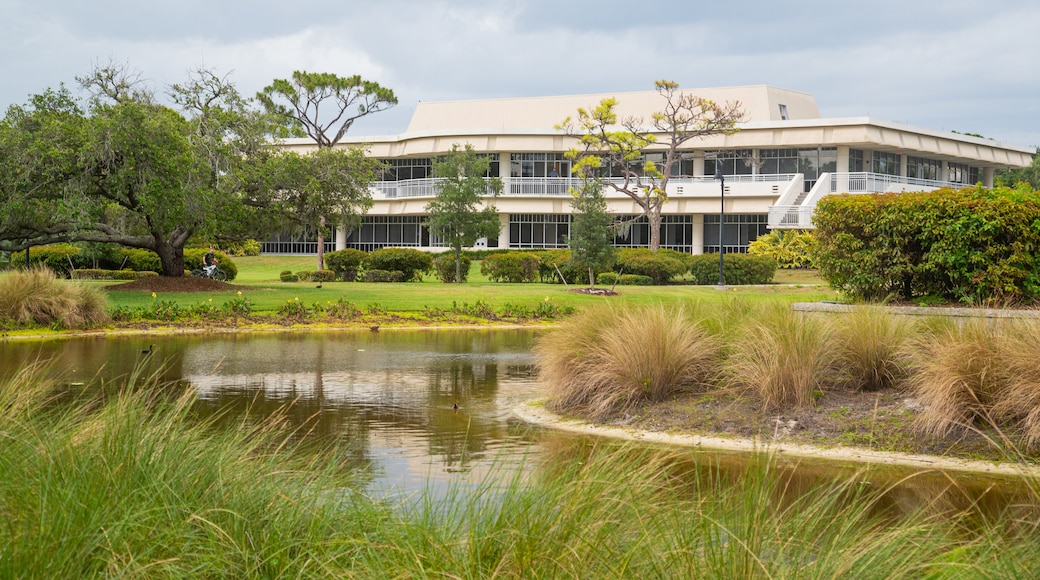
401, 169
855, 160
740, 230
538, 230
922, 168
732, 161
539, 165
884, 163
381, 231
783, 112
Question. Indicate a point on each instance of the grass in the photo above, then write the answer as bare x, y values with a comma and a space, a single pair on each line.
131, 485
258, 281
35, 296
780, 357
870, 344
608, 360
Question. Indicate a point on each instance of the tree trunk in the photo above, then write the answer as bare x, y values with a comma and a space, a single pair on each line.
171, 258
654, 217
321, 243
592, 278
458, 265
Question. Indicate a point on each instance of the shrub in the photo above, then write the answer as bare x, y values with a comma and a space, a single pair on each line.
193, 261
552, 263
411, 263
287, 276
345, 263
239, 248
780, 356
635, 280
606, 278
788, 248
511, 267
58, 258
444, 265
737, 269
604, 362
660, 266
323, 276
383, 276
36, 296
140, 260
972, 245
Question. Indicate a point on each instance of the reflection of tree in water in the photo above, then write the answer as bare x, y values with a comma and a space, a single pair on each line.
460, 436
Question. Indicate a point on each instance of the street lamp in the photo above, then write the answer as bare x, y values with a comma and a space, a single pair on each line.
722, 214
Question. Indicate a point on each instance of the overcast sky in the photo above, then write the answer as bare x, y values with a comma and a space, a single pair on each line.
962, 65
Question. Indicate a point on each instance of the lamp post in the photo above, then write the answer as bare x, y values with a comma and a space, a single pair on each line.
722, 214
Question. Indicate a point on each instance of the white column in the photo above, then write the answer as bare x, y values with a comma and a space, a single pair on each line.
987, 177
503, 234
341, 237
842, 168
697, 227
698, 166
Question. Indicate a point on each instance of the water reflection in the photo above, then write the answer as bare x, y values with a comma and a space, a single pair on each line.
389, 394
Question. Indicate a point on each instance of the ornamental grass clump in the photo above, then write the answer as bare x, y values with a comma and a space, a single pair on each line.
37, 297
959, 372
869, 348
1020, 400
781, 357
606, 361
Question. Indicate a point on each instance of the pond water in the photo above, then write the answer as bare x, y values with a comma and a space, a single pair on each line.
390, 394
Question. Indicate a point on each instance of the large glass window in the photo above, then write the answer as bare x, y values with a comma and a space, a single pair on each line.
538, 230
856, 160
732, 161
383, 231
740, 230
922, 168
413, 168
778, 161
884, 163
539, 165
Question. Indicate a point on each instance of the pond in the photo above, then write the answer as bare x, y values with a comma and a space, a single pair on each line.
390, 395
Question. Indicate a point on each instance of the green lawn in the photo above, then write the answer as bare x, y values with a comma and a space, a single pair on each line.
258, 281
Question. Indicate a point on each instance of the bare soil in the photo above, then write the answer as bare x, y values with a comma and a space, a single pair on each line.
882, 421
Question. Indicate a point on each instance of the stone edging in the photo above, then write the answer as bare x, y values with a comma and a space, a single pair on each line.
532, 412
920, 310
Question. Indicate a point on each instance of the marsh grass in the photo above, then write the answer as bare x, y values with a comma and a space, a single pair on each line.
36, 296
870, 348
130, 485
780, 356
607, 360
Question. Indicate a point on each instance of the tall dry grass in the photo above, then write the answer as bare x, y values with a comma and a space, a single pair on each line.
870, 348
963, 374
780, 356
36, 296
607, 360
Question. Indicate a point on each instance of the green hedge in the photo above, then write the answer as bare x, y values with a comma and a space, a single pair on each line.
973, 245
660, 266
444, 266
345, 263
102, 274
411, 263
511, 267
737, 268
59, 258
550, 260
377, 275
288, 276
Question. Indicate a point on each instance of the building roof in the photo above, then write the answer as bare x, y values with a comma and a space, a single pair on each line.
760, 103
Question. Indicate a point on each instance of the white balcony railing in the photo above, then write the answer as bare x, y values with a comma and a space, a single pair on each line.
561, 186
799, 214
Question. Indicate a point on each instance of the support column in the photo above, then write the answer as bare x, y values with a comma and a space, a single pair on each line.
697, 229
503, 234
341, 237
902, 165
698, 166
842, 169
987, 176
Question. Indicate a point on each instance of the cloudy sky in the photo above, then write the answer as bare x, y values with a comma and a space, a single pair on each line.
962, 65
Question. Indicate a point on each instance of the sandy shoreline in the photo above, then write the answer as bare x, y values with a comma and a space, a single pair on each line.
534, 412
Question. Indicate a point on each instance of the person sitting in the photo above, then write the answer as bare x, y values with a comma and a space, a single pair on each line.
209, 261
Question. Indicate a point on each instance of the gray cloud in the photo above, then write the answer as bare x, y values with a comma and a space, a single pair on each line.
964, 65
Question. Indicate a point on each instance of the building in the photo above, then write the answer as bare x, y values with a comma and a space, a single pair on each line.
784, 158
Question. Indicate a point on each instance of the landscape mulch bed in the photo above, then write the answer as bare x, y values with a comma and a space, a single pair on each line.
168, 284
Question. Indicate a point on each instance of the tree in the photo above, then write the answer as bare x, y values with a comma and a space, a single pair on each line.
127, 170
1012, 177
683, 117
592, 230
461, 188
324, 106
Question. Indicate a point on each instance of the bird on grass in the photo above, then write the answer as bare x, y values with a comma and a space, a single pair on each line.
319, 284
374, 328
151, 347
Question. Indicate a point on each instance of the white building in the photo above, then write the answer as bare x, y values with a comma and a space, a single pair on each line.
784, 158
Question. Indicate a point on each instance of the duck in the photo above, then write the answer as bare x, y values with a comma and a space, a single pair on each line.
455, 407
151, 348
